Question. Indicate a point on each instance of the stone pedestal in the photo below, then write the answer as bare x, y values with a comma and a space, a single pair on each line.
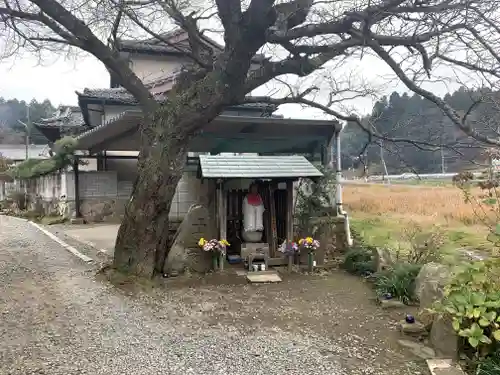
185, 252
443, 338
390, 303
416, 328
248, 248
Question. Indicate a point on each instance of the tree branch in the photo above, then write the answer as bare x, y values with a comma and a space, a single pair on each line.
445, 107
372, 133
90, 43
229, 12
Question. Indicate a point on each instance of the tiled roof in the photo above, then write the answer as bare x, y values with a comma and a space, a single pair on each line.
65, 116
18, 152
156, 45
178, 43
123, 96
251, 166
120, 94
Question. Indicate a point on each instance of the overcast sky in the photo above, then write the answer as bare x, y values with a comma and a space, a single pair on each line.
58, 79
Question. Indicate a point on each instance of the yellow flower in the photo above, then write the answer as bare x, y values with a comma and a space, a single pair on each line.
202, 242
309, 239
301, 241
224, 242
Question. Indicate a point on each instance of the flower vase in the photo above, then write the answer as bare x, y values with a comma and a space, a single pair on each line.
290, 262
310, 261
221, 257
215, 260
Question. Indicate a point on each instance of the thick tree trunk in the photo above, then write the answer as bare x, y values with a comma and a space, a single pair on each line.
142, 242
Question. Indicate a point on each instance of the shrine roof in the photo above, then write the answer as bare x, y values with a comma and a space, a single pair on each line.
256, 166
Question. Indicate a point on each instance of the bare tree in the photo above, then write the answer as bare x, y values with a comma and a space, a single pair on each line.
303, 36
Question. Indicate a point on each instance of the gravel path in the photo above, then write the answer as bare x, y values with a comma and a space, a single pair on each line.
57, 318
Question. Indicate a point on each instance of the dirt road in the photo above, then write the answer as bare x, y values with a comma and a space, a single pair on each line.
58, 318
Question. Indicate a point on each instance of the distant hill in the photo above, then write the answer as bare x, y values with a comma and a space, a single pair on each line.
416, 118
13, 110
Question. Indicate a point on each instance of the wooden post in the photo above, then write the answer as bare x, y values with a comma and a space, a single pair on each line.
327, 153
272, 211
77, 188
222, 202
289, 219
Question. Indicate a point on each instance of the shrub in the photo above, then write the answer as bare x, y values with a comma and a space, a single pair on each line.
472, 300
20, 199
30, 168
489, 365
425, 245
359, 261
315, 200
399, 281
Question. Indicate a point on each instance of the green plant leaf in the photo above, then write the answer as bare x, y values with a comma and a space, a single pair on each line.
456, 325
490, 315
469, 312
496, 335
485, 339
460, 299
476, 313
464, 333
483, 322
451, 310
492, 304
490, 201
474, 342
478, 299
476, 330
497, 229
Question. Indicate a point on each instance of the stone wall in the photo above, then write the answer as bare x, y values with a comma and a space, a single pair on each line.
103, 196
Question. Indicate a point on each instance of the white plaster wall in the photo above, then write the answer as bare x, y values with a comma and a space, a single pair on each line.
126, 169
111, 111
105, 184
48, 187
189, 191
93, 184
90, 165
150, 68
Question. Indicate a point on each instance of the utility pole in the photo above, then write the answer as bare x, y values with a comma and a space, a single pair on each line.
27, 128
443, 169
386, 174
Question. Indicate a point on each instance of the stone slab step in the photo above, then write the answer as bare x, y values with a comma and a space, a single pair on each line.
415, 328
263, 277
444, 367
418, 349
390, 303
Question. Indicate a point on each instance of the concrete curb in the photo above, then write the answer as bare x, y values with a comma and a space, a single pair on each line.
88, 243
53, 237
444, 367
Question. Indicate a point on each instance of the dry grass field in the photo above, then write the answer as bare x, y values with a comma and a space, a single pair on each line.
384, 214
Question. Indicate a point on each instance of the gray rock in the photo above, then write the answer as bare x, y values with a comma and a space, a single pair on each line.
185, 252
390, 303
444, 367
382, 258
430, 283
416, 328
443, 338
418, 349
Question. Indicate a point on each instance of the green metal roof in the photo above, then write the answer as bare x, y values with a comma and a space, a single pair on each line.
255, 166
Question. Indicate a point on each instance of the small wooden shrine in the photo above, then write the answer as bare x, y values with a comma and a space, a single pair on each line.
275, 177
